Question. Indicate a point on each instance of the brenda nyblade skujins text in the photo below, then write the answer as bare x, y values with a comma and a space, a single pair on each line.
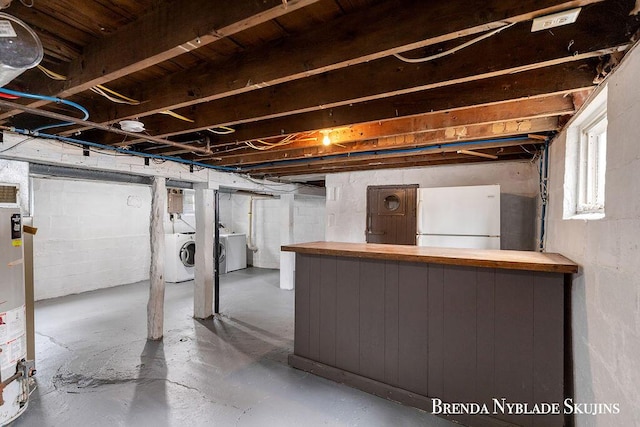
502, 406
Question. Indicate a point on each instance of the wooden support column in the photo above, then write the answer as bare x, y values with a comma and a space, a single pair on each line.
287, 259
204, 280
155, 306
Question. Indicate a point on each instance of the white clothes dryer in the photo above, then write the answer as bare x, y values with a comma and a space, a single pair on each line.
180, 251
235, 249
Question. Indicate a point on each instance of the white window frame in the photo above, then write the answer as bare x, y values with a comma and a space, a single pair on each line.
592, 166
585, 161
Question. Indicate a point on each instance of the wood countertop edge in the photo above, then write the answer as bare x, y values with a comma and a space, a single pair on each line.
560, 266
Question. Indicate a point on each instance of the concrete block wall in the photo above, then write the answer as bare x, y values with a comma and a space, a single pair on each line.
91, 235
309, 219
267, 233
605, 295
240, 213
308, 223
347, 201
226, 210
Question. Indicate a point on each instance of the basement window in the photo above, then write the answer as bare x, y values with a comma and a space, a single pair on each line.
586, 162
593, 152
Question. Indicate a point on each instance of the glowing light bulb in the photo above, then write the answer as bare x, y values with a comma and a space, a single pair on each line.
326, 140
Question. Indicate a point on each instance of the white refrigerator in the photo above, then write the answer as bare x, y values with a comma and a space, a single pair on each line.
459, 217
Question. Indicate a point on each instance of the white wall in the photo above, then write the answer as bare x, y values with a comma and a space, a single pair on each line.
347, 192
605, 294
266, 225
226, 211
239, 214
91, 235
309, 216
308, 223
94, 235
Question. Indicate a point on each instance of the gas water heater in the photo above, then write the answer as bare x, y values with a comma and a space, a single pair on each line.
15, 370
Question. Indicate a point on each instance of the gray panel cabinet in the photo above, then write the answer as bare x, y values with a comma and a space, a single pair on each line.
414, 332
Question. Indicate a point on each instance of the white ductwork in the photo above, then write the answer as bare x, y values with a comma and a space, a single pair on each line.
20, 47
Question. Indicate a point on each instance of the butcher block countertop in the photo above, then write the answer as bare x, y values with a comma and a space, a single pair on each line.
512, 260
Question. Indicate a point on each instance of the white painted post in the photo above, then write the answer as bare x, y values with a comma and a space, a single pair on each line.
155, 306
287, 259
204, 280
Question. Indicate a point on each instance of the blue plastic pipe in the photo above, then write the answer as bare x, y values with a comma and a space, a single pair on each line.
50, 99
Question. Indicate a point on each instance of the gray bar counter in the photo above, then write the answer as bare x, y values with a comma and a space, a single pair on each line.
413, 324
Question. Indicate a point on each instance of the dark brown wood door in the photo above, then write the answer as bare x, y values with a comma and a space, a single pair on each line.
391, 214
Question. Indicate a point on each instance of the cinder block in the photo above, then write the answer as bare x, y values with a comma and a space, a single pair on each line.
88, 236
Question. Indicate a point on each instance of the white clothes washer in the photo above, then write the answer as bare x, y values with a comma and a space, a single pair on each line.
180, 251
222, 262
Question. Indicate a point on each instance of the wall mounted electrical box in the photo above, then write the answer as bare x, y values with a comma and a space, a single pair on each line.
175, 201
555, 20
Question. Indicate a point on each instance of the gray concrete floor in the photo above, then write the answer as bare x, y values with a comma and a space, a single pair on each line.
95, 367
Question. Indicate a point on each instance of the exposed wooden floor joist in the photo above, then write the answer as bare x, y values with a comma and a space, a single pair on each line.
508, 111
259, 84
164, 33
373, 34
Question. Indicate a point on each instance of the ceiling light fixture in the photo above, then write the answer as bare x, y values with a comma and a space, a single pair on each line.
325, 139
131, 126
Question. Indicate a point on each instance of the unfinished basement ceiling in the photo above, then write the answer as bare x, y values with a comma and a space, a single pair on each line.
256, 86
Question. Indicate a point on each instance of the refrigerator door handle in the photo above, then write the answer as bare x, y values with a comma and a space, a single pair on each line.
419, 214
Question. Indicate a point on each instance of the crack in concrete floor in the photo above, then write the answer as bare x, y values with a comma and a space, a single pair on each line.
54, 341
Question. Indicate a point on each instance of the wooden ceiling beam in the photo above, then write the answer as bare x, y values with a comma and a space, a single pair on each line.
395, 161
376, 80
532, 83
520, 109
167, 31
517, 109
426, 138
337, 168
393, 156
374, 33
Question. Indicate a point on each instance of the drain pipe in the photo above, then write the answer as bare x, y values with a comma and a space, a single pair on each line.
216, 258
544, 193
250, 244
